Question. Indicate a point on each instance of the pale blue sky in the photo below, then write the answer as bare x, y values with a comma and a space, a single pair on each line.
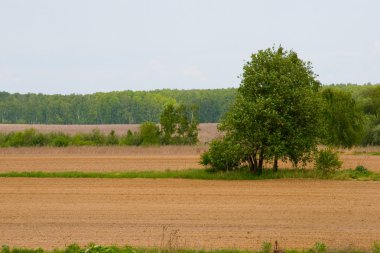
85, 46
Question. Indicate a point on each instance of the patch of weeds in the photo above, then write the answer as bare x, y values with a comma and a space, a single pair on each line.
266, 247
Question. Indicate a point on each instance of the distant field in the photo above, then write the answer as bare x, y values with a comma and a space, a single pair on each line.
207, 131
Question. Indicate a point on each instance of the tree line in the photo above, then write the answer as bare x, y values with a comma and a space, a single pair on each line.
119, 107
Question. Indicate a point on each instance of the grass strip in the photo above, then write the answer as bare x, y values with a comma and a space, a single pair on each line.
206, 174
266, 248
366, 153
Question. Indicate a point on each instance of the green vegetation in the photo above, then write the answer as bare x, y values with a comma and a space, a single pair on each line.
354, 111
179, 125
366, 153
327, 161
185, 131
266, 248
242, 173
119, 107
276, 114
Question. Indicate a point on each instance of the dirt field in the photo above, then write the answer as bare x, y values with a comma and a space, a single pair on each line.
52, 213
100, 159
103, 159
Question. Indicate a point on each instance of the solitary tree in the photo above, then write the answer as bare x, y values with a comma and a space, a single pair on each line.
276, 114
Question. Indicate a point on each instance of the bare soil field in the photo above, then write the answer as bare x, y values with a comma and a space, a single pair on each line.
207, 131
107, 159
100, 159
52, 213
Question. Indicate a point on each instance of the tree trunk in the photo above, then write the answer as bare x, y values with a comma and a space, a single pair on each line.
275, 164
261, 163
252, 164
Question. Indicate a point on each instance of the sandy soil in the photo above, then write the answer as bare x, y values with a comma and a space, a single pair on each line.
52, 213
102, 159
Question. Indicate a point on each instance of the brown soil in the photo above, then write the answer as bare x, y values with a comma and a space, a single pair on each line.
100, 159
52, 213
103, 159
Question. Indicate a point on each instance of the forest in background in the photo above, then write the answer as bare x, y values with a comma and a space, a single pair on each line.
131, 107
118, 107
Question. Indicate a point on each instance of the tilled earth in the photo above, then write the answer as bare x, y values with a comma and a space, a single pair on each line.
116, 159
48, 213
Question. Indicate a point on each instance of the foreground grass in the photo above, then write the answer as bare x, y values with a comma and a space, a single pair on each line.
266, 248
206, 174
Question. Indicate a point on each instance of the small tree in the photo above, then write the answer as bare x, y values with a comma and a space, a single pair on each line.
149, 134
168, 121
179, 125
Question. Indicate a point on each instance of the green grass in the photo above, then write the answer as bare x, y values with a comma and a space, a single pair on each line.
366, 153
206, 174
266, 248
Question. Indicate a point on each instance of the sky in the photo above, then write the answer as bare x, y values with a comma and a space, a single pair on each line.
87, 46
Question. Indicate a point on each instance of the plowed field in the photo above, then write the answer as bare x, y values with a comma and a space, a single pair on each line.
106, 159
188, 213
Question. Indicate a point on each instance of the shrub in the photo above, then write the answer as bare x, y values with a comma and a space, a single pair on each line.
223, 154
361, 169
130, 139
60, 140
266, 247
149, 134
29, 137
327, 161
96, 137
112, 138
319, 247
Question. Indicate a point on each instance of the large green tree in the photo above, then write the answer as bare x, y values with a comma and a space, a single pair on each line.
276, 114
343, 119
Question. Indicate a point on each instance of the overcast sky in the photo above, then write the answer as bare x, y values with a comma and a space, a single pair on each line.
85, 46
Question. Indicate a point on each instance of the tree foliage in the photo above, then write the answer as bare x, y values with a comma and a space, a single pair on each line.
121, 107
276, 114
179, 124
344, 120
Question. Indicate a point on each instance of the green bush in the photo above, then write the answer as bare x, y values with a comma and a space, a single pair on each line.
266, 247
362, 170
130, 139
327, 161
112, 138
223, 154
96, 137
372, 136
319, 247
29, 137
149, 134
60, 140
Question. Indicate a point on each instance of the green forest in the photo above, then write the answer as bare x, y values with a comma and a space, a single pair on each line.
119, 107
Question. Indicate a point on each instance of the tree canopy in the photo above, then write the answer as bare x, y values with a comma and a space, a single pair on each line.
276, 114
